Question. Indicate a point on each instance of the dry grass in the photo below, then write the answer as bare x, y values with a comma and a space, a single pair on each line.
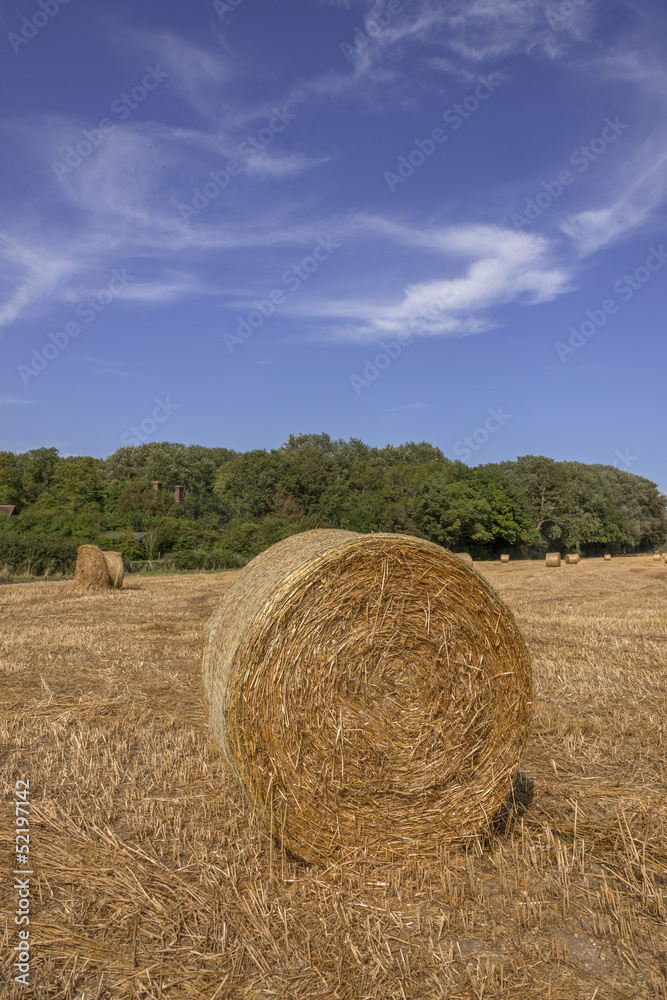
371, 693
152, 880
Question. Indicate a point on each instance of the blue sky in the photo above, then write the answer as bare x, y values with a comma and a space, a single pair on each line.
222, 223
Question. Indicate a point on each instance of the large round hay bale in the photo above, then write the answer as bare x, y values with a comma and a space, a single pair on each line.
464, 557
505, 557
91, 569
572, 558
657, 557
553, 559
116, 568
370, 692
607, 557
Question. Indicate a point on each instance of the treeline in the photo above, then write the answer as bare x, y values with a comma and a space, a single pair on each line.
237, 504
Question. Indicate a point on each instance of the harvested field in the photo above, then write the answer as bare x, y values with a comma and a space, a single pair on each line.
151, 879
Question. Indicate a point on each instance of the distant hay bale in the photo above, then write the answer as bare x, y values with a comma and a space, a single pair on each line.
116, 568
505, 557
464, 557
91, 569
370, 692
572, 558
553, 559
657, 557
607, 557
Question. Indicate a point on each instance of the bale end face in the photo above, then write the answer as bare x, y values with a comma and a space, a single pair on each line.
116, 568
91, 569
370, 693
553, 559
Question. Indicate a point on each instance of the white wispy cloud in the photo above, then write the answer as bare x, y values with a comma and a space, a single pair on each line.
637, 187
108, 367
16, 401
289, 165
505, 267
28, 274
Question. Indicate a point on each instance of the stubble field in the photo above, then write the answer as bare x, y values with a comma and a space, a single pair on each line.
151, 879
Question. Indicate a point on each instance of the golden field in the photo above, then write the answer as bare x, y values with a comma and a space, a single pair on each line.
151, 879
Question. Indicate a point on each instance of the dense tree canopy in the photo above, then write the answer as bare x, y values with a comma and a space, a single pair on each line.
236, 504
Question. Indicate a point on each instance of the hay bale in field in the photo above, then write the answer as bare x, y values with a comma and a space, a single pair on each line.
553, 559
572, 558
607, 557
657, 557
370, 692
91, 569
116, 568
464, 557
505, 557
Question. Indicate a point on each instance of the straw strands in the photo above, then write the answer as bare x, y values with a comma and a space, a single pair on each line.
371, 694
91, 569
553, 559
116, 568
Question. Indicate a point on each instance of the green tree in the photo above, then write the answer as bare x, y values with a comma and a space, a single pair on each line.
74, 484
36, 469
10, 479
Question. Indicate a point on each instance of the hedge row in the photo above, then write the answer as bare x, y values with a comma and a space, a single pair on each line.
37, 555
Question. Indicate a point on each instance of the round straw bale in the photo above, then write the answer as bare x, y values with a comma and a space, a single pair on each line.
505, 557
91, 569
657, 557
116, 568
464, 557
607, 557
553, 559
370, 692
572, 558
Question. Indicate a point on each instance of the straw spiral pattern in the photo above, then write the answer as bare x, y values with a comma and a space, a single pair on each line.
371, 693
